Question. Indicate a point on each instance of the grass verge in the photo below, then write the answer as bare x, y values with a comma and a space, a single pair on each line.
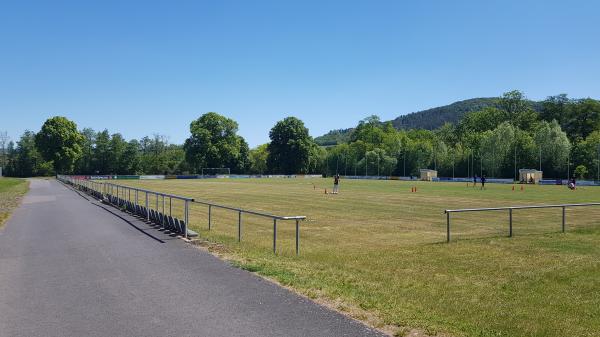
11, 191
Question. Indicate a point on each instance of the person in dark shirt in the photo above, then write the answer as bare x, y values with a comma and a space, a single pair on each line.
483, 179
474, 180
336, 183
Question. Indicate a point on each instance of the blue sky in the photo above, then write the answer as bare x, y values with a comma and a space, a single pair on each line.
144, 67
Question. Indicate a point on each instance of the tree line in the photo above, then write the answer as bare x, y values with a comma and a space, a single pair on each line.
562, 137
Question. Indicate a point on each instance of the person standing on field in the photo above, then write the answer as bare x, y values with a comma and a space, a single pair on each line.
474, 180
483, 182
336, 183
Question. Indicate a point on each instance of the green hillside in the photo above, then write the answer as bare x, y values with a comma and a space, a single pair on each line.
429, 119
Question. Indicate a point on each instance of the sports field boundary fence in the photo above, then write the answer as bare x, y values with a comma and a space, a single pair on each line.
120, 196
510, 210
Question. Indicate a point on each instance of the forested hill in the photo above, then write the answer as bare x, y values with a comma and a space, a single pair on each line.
429, 119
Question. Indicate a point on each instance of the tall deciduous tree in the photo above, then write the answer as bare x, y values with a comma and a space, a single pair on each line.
290, 147
214, 143
60, 142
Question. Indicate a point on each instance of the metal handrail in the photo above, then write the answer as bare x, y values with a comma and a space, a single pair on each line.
518, 207
241, 211
272, 216
152, 192
235, 209
510, 215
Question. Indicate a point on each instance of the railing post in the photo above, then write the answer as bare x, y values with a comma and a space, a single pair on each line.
209, 215
147, 210
163, 211
447, 226
510, 223
297, 237
564, 220
170, 206
187, 218
239, 226
274, 236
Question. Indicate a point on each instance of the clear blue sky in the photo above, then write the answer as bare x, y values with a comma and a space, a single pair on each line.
144, 67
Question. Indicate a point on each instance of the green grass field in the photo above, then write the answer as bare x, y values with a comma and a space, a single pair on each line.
378, 252
11, 190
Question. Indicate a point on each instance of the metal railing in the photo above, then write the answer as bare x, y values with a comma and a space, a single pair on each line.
266, 215
121, 196
510, 214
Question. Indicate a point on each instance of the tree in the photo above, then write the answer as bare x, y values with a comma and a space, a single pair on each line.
4, 139
290, 147
85, 163
60, 142
581, 172
583, 118
118, 163
555, 147
556, 108
25, 160
214, 143
102, 156
258, 159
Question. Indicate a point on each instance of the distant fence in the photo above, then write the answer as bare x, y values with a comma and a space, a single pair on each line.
121, 196
510, 214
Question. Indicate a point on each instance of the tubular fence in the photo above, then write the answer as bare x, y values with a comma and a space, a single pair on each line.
510, 214
128, 198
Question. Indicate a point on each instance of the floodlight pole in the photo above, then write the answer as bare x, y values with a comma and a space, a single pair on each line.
515, 162
346, 164
366, 163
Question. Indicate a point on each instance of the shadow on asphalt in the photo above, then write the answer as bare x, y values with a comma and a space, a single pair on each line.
129, 222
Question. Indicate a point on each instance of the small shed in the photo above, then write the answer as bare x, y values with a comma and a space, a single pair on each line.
428, 175
530, 176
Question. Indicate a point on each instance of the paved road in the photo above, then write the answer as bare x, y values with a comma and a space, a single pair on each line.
69, 267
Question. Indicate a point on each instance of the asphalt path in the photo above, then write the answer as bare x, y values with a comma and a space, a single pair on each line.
71, 266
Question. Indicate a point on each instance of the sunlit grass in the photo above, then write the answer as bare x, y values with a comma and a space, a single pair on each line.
377, 251
11, 191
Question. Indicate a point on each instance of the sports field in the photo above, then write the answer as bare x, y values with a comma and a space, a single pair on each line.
377, 251
11, 190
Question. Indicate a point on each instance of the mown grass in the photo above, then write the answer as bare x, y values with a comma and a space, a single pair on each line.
11, 191
377, 251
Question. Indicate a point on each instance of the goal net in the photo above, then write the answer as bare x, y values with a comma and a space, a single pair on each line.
215, 171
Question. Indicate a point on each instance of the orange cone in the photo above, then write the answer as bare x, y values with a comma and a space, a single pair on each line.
513, 187
325, 191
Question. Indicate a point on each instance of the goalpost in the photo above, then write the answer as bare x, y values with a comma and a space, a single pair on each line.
215, 171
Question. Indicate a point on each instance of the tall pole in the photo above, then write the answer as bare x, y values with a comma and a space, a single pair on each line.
515, 162
366, 163
481, 164
404, 163
346, 164
452, 165
540, 157
468, 163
